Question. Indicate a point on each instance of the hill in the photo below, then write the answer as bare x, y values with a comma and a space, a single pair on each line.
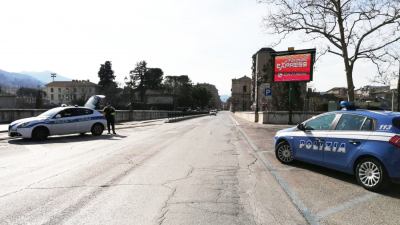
45, 77
15, 80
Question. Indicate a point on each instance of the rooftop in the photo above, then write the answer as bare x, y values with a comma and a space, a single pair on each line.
73, 83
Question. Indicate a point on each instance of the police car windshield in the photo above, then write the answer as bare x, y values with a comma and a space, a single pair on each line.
50, 113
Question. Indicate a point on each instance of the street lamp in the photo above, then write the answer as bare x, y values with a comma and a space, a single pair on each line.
53, 75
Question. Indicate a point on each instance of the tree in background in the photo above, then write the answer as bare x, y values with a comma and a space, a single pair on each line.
354, 28
388, 65
181, 88
39, 99
153, 78
143, 78
136, 80
201, 96
107, 83
30, 98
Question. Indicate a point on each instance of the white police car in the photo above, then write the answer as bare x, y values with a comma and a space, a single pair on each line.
360, 142
61, 120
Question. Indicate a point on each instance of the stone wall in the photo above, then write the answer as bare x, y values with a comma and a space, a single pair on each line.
277, 117
9, 115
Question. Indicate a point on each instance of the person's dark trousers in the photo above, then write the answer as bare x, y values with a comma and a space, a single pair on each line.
111, 122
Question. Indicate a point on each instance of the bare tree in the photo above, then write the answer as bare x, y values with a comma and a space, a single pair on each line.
388, 66
353, 28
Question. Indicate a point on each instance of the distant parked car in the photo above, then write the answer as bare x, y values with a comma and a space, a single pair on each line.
213, 112
61, 120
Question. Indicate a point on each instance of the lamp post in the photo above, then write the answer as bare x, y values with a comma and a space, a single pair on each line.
256, 90
53, 75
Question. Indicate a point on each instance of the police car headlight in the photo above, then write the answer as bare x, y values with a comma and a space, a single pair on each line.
22, 125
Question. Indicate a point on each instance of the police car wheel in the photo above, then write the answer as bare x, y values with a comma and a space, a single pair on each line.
284, 153
370, 174
97, 129
40, 133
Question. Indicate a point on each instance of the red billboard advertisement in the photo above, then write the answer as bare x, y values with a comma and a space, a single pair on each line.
293, 67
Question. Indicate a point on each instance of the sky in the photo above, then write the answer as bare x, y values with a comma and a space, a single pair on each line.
210, 40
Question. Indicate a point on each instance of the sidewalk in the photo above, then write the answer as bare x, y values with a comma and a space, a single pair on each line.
3, 127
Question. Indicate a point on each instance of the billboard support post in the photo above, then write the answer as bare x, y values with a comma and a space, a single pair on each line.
256, 91
290, 103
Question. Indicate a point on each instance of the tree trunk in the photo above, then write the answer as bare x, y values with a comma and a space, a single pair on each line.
350, 84
347, 63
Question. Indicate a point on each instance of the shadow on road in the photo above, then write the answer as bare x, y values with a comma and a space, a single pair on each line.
393, 189
66, 139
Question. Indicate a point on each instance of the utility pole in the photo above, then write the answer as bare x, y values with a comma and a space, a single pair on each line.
398, 87
256, 90
53, 75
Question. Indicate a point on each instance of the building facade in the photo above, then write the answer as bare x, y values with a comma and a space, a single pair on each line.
69, 92
263, 77
241, 94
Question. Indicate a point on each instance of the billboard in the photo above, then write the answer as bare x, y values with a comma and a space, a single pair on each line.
293, 66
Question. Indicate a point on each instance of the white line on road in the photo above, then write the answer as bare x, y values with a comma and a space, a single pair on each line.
346, 205
234, 121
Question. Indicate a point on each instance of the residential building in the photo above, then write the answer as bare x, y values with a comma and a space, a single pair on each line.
262, 72
69, 92
369, 90
241, 94
339, 92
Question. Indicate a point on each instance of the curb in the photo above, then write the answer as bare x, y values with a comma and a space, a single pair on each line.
184, 118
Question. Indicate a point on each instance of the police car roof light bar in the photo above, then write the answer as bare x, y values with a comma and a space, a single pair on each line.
395, 140
345, 105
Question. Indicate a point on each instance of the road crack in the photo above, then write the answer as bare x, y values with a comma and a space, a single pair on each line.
164, 209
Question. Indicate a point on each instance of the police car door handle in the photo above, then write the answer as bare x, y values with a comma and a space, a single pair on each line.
354, 142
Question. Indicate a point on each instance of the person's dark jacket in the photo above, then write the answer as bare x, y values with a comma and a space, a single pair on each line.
109, 112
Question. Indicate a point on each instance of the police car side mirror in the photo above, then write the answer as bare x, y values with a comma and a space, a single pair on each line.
301, 127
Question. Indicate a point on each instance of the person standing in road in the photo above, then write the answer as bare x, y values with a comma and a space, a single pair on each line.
109, 113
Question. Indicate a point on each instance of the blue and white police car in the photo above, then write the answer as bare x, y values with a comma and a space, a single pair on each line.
360, 142
61, 120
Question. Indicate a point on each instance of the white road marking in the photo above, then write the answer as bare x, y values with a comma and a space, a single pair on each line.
345, 205
304, 211
234, 121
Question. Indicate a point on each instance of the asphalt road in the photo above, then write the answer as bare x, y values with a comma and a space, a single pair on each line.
208, 170
198, 171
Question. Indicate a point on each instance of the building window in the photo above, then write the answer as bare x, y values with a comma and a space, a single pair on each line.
59, 89
52, 97
59, 96
244, 89
74, 89
51, 90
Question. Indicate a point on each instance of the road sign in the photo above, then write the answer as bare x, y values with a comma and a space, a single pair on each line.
268, 92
